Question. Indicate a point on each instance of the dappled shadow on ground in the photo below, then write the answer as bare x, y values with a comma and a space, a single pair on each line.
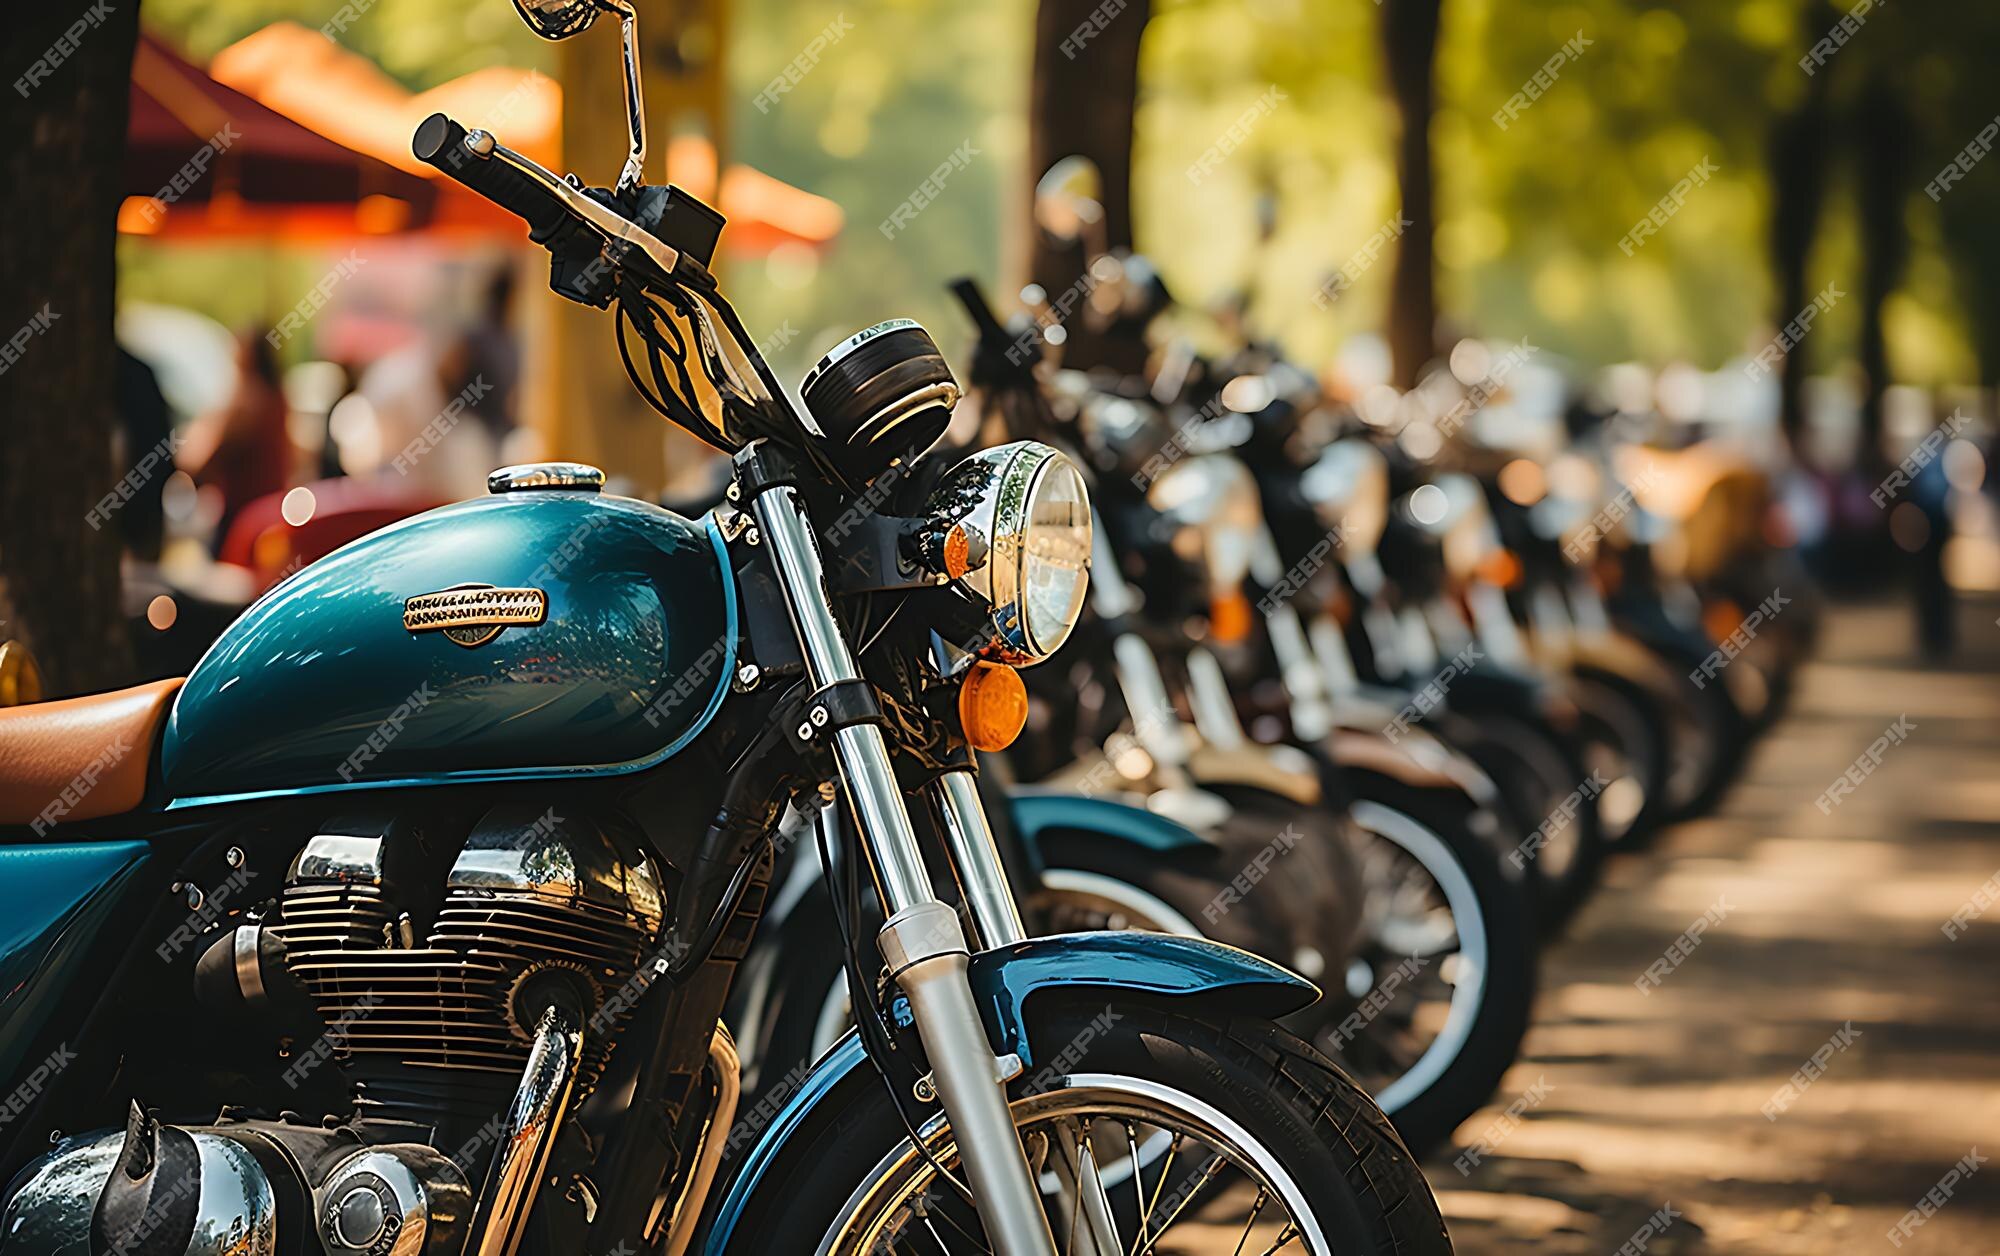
1831, 940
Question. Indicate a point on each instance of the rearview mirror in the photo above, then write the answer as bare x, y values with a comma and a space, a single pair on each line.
560, 19
1068, 201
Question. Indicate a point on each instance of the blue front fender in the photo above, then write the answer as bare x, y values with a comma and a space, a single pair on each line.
1149, 966
1040, 817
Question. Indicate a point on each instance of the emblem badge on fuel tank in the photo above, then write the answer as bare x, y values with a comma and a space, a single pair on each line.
473, 614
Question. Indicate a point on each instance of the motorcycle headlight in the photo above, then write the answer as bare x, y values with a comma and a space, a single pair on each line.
1010, 528
1349, 488
1218, 515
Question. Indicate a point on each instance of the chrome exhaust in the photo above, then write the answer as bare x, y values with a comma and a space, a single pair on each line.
541, 1102
728, 1090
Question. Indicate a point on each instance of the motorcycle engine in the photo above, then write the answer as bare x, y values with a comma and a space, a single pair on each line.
428, 982
432, 1015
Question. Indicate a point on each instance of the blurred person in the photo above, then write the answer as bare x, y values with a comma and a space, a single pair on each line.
243, 450
495, 354
145, 424
329, 467
1936, 604
428, 407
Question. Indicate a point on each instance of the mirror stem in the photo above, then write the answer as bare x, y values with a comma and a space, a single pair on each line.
635, 99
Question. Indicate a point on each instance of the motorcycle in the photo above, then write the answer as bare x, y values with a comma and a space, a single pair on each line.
442, 861
1517, 742
1435, 983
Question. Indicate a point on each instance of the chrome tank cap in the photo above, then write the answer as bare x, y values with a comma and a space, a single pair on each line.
532, 476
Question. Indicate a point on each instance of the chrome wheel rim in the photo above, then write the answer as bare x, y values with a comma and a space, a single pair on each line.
1227, 1184
1465, 951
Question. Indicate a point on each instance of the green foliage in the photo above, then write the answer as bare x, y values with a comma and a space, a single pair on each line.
1530, 215
886, 104
420, 42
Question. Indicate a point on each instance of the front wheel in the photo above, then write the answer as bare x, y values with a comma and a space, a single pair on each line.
1206, 1133
1440, 1003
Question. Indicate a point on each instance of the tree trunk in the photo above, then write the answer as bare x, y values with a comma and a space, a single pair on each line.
1409, 42
1885, 126
1081, 102
590, 411
1798, 161
64, 146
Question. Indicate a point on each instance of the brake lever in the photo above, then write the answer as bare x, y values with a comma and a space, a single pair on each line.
613, 227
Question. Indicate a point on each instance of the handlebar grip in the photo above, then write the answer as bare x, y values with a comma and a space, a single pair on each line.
973, 298
441, 144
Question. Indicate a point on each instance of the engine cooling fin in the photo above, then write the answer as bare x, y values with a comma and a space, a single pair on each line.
536, 906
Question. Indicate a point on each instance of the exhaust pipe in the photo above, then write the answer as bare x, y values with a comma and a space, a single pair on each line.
547, 1084
728, 1090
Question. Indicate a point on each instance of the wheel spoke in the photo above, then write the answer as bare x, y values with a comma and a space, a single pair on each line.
1285, 1238
1251, 1224
1075, 1212
918, 1216
1138, 1180
936, 1237
976, 1240
1146, 1213
1210, 1171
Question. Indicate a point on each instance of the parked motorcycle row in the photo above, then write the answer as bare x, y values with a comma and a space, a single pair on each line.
1133, 828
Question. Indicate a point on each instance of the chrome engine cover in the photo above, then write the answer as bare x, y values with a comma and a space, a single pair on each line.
397, 1199
393, 1201
235, 1208
537, 906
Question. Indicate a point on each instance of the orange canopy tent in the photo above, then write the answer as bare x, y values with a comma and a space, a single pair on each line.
203, 158
311, 79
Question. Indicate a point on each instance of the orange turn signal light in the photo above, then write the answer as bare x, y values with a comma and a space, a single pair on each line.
1230, 618
1721, 617
1501, 568
957, 552
992, 706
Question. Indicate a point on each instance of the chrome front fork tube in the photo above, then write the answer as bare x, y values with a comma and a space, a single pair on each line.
988, 893
1156, 726
997, 917
923, 943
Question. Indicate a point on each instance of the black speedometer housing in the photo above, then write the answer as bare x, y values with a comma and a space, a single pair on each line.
882, 395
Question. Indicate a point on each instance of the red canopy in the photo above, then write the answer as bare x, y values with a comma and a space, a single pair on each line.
331, 89
203, 157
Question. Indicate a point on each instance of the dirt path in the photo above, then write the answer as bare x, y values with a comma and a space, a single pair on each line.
1830, 936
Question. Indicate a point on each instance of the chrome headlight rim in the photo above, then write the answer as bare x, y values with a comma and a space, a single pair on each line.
988, 501
1219, 520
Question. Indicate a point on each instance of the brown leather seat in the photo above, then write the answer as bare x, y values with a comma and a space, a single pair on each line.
80, 758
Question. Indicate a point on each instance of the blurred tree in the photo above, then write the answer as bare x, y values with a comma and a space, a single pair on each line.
1409, 45
1083, 96
1956, 100
1882, 160
1967, 216
64, 129
1799, 171
1528, 216
910, 114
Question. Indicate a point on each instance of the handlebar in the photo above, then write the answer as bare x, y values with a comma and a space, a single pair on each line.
560, 214
970, 296
449, 148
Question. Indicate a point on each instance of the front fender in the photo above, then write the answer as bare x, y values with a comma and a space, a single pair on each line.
1149, 965
1041, 817
1285, 771
1418, 760
1005, 981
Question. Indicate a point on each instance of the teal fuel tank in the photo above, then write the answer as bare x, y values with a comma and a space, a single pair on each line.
523, 635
